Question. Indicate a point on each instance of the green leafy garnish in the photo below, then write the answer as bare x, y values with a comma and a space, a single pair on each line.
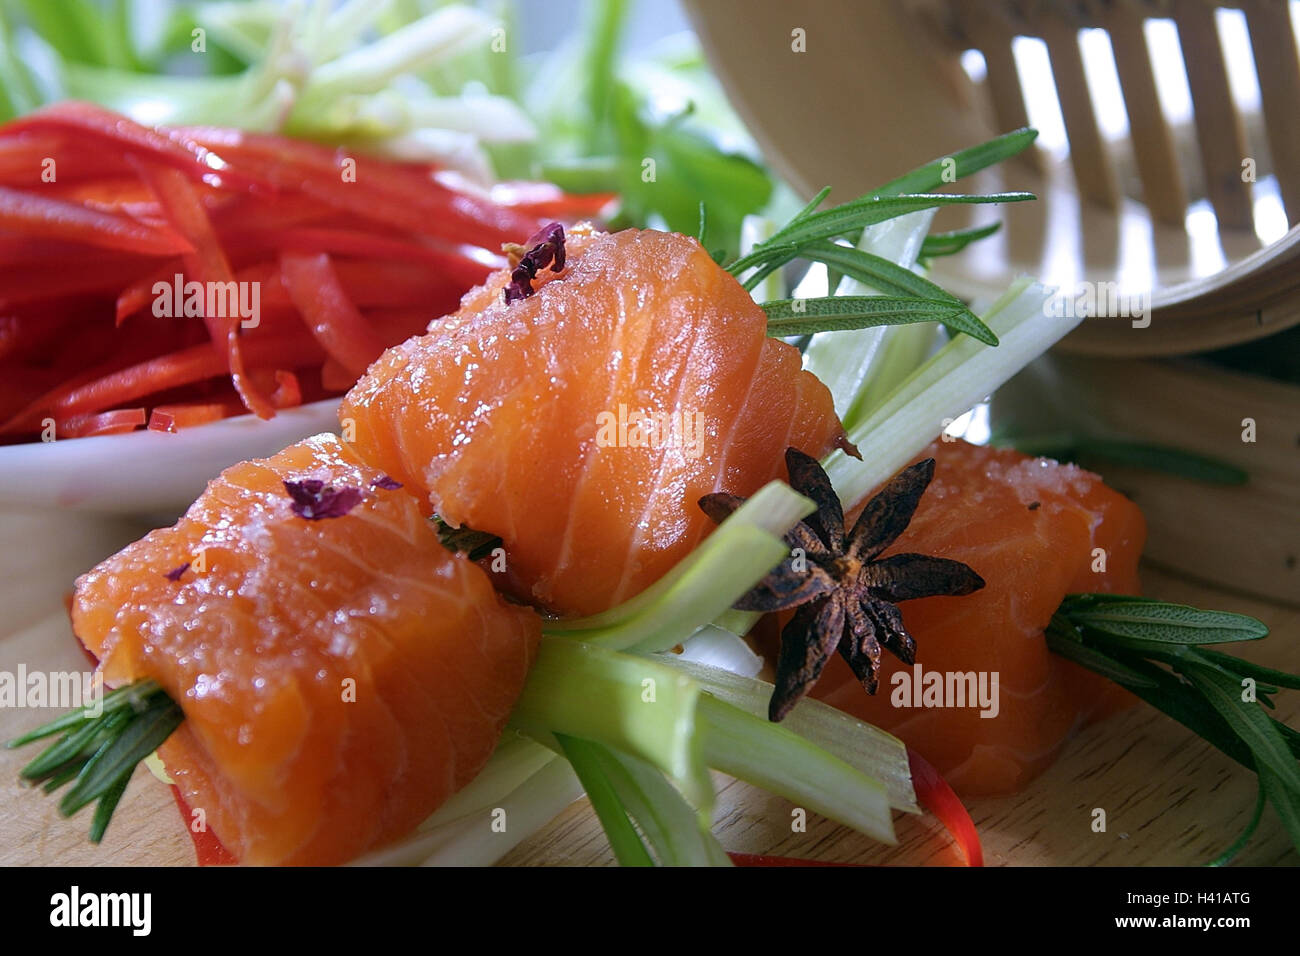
791, 241
950, 243
99, 751
1158, 651
836, 313
475, 545
811, 235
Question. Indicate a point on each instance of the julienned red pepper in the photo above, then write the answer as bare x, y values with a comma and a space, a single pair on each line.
181, 204
207, 847
34, 215
316, 292
135, 206
934, 794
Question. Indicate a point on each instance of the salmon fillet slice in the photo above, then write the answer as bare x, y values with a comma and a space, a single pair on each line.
1034, 530
520, 420
340, 677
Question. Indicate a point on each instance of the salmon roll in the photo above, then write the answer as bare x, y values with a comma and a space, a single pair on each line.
341, 673
581, 420
1035, 531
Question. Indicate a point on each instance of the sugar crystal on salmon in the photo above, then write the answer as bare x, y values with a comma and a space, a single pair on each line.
340, 678
495, 415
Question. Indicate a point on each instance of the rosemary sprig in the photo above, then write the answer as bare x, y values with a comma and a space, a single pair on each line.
950, 243
100, 747
789, 242
786, 317
811, 235
1160, 652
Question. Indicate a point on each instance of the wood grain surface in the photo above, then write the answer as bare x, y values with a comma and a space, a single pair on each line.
1169, 797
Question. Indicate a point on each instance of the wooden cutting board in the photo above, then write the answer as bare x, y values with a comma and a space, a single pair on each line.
1169, 797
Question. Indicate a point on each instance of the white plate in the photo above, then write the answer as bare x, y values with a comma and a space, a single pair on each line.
147, 472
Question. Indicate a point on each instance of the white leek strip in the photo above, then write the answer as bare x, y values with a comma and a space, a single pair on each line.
898, 355
706, 583
242, 28
718, 648
349, 20
515, 760
520, 767
368, 69
451, 150
776, 759
867, 749
714, 585
959, 376
492, 119
630, 703
477, 842
847, 362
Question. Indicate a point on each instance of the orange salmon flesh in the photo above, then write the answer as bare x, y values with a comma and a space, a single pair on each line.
1034, 530
518, 419
340, 677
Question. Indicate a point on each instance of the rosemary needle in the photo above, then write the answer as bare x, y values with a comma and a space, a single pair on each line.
100, 748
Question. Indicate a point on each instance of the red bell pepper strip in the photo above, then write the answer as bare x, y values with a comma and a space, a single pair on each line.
185, 209
51, 218
171, 147
288, 391
317, 293
935, 795
116, 422
207, 847
548, 201
185, 367
174, 417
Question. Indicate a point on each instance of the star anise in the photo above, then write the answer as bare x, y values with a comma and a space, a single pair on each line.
845, 593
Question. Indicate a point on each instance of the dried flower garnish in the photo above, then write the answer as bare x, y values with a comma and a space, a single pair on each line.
314, 500
175, 573
386, 482
845, 593
545, 248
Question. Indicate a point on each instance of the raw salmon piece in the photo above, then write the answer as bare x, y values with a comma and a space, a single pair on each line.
519, 420
340, 677
1029, 527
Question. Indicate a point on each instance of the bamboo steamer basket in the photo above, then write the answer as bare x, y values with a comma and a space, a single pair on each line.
851, 93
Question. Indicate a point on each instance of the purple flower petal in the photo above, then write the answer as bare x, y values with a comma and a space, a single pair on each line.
175, 573
385, 482
314, 500
545, 248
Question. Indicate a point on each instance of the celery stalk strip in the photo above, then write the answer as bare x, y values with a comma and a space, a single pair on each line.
851, 363
867, 749
959, 376
673, 830
615, 819
726, 565
632, 704
776, 759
